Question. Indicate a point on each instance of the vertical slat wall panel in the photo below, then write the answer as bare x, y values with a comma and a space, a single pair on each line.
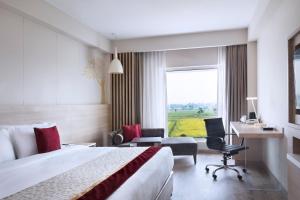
132, 117
126, 91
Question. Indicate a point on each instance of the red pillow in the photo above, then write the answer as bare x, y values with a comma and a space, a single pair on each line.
131, 131
47, 139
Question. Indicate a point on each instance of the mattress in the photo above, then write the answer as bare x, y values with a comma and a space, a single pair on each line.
21, 174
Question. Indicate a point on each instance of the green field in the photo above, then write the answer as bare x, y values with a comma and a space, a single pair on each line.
187, 123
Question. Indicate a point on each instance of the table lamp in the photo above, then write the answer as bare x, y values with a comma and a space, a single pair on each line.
252, 101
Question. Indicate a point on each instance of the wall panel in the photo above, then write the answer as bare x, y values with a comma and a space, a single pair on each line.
42, 78
77, 123
40, 64
11, 58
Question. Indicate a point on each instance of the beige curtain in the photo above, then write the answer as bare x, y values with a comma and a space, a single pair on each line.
236, 83
127, 90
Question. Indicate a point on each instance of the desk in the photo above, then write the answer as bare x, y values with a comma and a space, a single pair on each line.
252, 131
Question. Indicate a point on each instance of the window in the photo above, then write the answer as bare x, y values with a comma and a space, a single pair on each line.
192, 96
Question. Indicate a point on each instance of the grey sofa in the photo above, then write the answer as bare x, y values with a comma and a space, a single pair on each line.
116, 136
182, 146
179, 145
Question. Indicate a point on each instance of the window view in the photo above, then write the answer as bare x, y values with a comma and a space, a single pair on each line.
192, 96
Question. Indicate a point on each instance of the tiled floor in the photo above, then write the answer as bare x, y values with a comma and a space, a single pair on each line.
191, 182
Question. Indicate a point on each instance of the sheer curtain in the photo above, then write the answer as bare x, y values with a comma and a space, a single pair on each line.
221, 84
154, 90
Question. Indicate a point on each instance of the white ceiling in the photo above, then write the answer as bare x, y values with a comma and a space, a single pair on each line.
146, 18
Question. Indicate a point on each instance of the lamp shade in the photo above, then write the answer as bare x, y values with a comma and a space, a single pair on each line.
115, 66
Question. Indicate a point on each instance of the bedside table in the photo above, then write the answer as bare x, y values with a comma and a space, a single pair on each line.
88, 144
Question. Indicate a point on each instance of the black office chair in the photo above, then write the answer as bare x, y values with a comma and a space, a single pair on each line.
215, 140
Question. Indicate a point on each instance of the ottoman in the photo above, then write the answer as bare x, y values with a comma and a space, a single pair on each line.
182, 146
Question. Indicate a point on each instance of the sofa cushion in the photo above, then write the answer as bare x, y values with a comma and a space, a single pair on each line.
131, 131
117, 139
153, 132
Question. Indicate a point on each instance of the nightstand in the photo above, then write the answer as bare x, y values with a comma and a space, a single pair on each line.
88, 144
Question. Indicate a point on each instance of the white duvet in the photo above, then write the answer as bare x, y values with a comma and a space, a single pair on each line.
20, 174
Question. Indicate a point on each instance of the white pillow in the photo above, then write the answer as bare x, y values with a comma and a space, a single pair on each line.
6, 146
24, 140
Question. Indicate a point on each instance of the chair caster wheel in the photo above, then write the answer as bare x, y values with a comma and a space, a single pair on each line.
214, 176
245, 170
240, 177
207, 170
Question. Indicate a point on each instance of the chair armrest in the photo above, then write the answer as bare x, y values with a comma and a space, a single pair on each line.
153, 132
217, 139
215, 143
230, 134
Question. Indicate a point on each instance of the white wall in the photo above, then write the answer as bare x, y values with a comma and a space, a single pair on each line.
192, 57
41, 11
272, 79
183, 41
251, 73
39, 65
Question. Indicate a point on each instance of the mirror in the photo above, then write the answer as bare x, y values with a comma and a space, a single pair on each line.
294, 79
296, 64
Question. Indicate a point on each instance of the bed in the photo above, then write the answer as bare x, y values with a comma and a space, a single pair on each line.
70, 172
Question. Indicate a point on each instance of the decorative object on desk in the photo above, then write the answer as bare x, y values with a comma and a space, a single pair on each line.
252, 99
243, 118
251, 121
268, 128
252, 115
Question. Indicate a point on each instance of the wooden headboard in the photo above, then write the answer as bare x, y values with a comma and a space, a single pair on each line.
76, 123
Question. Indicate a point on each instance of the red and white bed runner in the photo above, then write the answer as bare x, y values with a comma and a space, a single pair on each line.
112, 183
96, 179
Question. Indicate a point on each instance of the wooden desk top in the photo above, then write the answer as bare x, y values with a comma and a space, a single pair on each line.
253, 131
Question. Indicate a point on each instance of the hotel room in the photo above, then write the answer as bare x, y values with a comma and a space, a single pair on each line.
149, 100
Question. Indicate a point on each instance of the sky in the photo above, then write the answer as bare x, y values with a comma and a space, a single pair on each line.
197, 86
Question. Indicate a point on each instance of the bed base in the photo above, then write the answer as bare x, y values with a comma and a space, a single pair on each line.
165, 192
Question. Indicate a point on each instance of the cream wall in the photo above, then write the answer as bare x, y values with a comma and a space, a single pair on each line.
252, 72
39, 65
183, 41
272, 79
55, 19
